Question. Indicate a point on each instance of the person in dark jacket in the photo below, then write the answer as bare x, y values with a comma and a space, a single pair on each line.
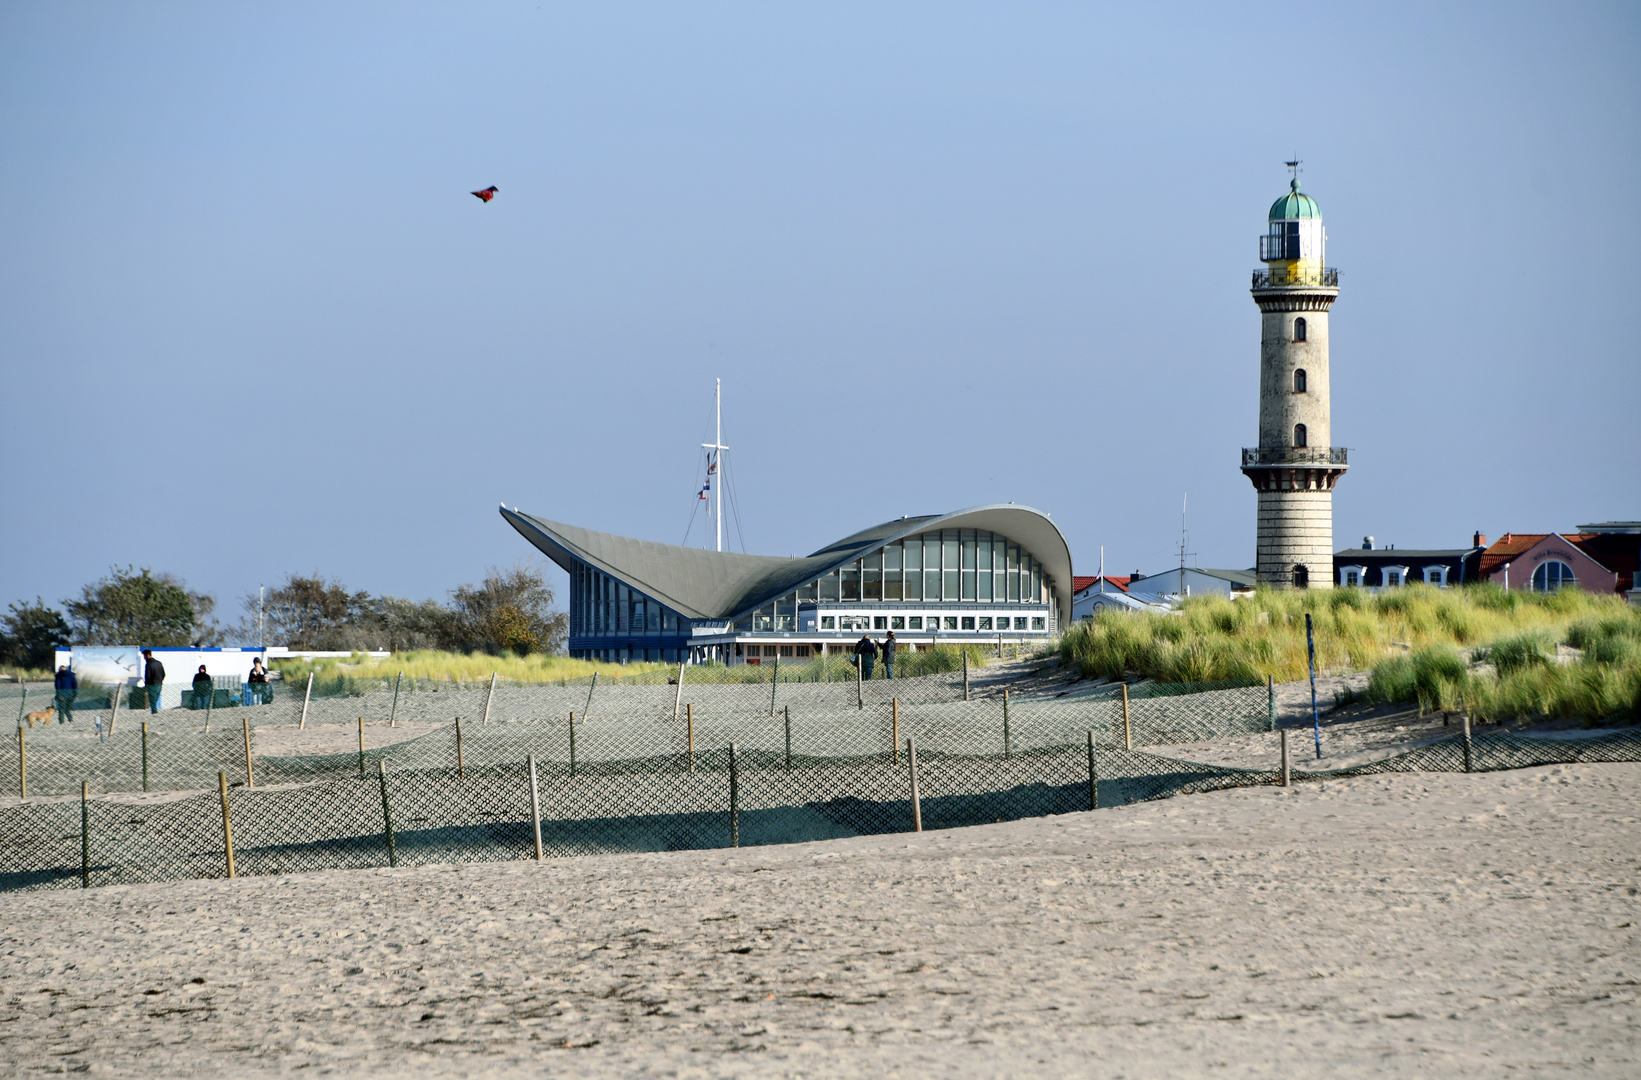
202, 688
153, 679
888, 650
68, 688
261, 693
865, 655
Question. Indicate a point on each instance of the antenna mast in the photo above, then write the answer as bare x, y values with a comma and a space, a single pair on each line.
715, 461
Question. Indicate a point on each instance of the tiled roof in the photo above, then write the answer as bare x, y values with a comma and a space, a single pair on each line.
1118, 583
1505, 549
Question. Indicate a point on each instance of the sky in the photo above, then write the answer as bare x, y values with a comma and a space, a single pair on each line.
941, 255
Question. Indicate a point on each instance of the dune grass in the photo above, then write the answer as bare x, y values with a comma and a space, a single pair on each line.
459, 667
1212, 638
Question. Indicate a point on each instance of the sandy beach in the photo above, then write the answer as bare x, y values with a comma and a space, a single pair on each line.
1390, 925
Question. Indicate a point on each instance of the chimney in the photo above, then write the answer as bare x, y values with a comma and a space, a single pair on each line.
1480, 540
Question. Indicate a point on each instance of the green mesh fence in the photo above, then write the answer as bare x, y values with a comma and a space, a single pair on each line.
757, 794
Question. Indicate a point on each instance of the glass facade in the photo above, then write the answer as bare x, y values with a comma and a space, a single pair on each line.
949, 566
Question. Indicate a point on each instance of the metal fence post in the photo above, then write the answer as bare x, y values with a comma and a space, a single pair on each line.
689, 732
305, 698
1270, 701
22, 765
774, 677
734, 800
860, 700
1093, 778
965, 673
1008, 745
145, 755
227, 823
250, 780
917, 804
85, 834
394, 710
535, 804
361, 748
387, 813
491, 693
786, 710
572, 744
1287, 777
1467, 747
461, 762
1127, 728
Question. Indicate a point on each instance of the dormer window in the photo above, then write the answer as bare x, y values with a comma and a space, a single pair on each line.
1299, 381
1299, 329
1299, 436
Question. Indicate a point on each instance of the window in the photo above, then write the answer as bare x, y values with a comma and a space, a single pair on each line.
1299, 329
1299, 435
1553, 575
914, 622
829, 622
880, 622
1351, 576
802, 650
1299, 381
897, 622
968, 622
985, 622
1039, 622
951, 622
1019, 623
1435, 575
1394, 576
1301, 573
786, 650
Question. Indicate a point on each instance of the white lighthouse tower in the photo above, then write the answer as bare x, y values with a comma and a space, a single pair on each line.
1295, 465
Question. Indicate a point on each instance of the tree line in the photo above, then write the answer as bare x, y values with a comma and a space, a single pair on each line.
510, 610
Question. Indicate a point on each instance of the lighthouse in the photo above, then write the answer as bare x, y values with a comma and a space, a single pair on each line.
1296, 464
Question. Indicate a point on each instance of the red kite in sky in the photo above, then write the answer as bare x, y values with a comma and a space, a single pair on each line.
487, 194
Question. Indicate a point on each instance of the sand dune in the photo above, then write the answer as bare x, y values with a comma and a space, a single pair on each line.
1390, 925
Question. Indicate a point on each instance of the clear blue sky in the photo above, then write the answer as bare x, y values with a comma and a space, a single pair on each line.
251, 322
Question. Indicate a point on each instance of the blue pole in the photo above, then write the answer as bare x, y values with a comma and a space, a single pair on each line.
1310, 648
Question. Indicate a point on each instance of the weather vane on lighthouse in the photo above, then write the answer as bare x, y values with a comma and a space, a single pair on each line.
1294, 165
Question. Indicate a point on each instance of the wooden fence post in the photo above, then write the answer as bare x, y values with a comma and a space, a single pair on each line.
361, 748
85, 834
1127, 728
491, 693
393, 712
115, 715
1287, 777
678, 695
145, 755
387, 813
535, 804
305, 697
917, 804
227, 823
22, 764
1467, 747
689, 730
1093, 778
461, 762
734, 801
786, 710
1270, 702
250, 780
965, 673
894, 730
588, 711
572, 744
774, 678
1008, 744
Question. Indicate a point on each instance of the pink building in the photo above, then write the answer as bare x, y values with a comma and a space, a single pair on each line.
1545, 562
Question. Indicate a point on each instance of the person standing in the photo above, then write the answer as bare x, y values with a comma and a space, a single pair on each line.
258, 680
888, 650
202, 688
865, 655
68, 688
153, 679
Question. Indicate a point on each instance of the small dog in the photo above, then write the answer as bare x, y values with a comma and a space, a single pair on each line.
42, 717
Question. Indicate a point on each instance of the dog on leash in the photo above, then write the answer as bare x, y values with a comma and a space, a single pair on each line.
42, 717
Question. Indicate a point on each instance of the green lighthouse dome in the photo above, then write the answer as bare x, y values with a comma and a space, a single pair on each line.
1295, 205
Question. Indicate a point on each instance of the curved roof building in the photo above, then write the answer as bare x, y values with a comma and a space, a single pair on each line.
973, 574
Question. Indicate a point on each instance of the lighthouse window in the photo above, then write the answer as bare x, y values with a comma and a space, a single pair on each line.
1299, 381
1299, 329
1301, 576
1299, 435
